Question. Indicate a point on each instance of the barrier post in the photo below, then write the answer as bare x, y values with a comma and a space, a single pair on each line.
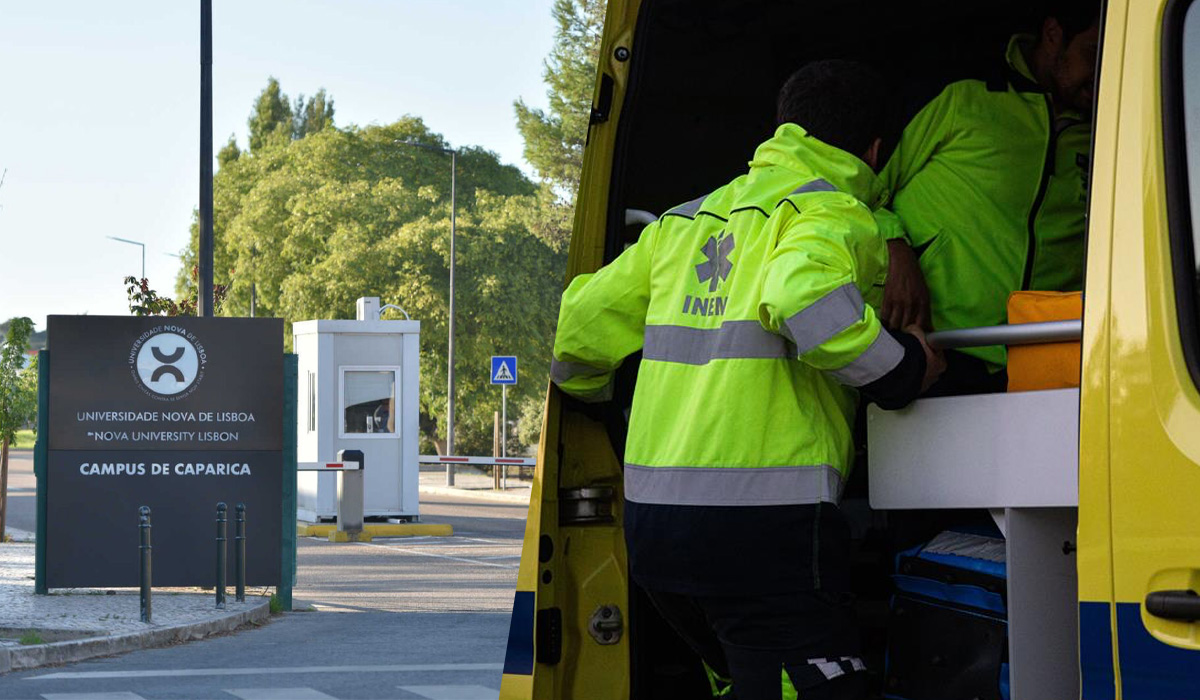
239, 553
221, 554
144, 573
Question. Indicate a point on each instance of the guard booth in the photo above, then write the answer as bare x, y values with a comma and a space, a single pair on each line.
358, 386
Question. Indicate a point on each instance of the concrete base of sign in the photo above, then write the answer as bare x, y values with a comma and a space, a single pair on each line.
304, 529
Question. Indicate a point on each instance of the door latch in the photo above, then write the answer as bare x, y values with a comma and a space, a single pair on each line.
606, 626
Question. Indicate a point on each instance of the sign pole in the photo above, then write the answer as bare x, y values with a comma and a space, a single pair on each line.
504, 420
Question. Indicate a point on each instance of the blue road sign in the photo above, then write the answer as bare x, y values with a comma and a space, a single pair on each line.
504, 369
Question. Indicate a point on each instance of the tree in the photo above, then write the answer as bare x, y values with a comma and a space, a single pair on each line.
18, 405
312, 116
554, 139
272, 116
342, 213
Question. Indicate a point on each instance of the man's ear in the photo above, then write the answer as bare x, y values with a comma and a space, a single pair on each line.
871, 157
1052, 35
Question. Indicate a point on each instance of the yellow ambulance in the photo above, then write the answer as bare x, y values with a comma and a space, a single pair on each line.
1102, 506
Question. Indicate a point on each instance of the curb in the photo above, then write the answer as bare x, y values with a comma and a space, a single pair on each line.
81, 649
377, 530
521, 498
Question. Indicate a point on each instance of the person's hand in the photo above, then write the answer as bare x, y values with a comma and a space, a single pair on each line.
905, 296
935, 361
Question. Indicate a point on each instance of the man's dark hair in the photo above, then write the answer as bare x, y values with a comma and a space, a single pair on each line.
839, 102
1074, 16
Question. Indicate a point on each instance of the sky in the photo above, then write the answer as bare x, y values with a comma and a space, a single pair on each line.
99, 114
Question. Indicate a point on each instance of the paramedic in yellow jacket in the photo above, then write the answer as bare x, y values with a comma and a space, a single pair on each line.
753, 309
989, 183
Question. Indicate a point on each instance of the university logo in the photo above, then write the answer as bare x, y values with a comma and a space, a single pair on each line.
718, 266
167, 363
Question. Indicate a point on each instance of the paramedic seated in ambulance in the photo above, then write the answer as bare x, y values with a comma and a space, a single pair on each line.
989, 192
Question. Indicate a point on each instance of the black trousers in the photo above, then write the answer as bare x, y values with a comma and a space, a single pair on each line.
811, 635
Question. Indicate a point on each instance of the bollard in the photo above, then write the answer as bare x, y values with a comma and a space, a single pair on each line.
144, 528
239, 553
350, 498
221, 539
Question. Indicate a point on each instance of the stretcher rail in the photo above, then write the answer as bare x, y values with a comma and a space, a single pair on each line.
1013, 334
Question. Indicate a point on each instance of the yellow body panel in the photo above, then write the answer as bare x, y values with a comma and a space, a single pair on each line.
587, 568
1154, 448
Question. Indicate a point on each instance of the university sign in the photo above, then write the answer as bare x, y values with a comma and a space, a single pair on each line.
175, 414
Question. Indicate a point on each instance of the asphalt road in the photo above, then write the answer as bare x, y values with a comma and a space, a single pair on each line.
397, 618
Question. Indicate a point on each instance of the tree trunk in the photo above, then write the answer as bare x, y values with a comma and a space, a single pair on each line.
3, 486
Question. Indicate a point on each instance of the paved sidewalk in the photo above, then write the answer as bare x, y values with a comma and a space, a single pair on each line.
471, 483
107, 619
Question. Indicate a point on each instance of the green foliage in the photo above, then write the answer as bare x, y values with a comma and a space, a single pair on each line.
18, 405
25, 438
312, 116
37, 341
275, 605
31, 637
554, 138
271, 118
317, 222
275, 120
144, 301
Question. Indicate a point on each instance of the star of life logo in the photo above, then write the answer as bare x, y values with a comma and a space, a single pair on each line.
167, 362
714, 270
718, 266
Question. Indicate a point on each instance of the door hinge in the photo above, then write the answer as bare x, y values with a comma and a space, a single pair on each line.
590, 504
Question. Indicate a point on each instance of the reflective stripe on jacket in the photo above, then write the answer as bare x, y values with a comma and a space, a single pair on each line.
722, 295
990, 190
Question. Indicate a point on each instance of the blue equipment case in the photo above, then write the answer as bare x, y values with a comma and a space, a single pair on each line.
948, 635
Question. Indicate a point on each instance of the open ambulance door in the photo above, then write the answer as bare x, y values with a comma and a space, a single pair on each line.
1139, 535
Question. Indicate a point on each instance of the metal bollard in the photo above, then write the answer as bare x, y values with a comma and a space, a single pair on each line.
221, 554
239, 553
144, 528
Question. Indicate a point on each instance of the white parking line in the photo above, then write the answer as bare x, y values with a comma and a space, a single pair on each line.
181, 672
478, 562
452, 692
280, 694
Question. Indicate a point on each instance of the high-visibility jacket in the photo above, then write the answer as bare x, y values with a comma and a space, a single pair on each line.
723, 295
990, 189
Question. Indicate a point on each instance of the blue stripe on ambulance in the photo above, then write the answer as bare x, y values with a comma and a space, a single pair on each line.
1095, 651
518, 660
1151, 670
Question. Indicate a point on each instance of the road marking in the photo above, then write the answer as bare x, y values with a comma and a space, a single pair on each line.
181, 672
477, 562
452, 692
92, 696
503, 556
280, 694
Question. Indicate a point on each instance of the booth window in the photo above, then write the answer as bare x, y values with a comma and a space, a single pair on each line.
369, 401
1181, 112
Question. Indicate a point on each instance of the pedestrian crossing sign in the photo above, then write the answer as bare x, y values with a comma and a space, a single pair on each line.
504, 369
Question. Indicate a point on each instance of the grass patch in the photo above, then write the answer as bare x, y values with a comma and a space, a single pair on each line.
25, 440
31, 637
275, 606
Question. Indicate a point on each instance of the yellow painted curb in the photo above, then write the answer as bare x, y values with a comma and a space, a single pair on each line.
336, 536
380, 529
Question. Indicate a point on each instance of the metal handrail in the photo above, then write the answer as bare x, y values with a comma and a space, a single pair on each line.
1013, 334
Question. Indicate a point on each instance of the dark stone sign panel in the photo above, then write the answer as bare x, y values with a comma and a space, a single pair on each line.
171, 413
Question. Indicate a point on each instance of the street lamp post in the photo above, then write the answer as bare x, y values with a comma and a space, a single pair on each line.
450, 349
139, 243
